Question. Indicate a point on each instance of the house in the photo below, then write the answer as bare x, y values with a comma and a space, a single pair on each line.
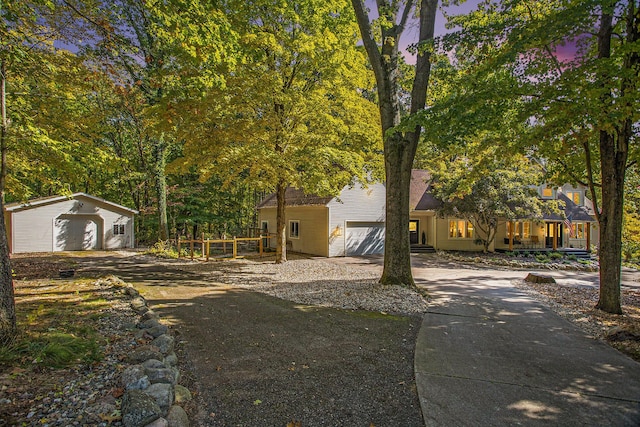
68, 223
350, 224
353, 223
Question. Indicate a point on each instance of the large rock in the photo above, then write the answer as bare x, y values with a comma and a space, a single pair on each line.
165, 343
134, 378
539, 278
139, 409
163, 394
171, 360
161, 375
144, 353
177, 417
182, 394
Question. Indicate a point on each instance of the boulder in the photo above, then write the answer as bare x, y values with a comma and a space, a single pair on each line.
163, 394
182, 394
161, 375
177, 417
134, 378
539, 278
139, 409
165, 343
144, 353
160, 422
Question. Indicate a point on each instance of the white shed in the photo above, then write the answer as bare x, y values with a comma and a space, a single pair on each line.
68, 223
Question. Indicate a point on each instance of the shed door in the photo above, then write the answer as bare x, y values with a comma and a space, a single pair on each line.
364, 238
75, 233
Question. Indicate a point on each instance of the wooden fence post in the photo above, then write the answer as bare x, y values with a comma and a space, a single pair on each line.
235, 247
260, 246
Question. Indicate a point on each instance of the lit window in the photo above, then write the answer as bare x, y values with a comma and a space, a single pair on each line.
574, 196
547, 192
294, 229
521, 230
460, 229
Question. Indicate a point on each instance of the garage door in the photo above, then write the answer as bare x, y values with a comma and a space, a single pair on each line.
364, 238
75, 233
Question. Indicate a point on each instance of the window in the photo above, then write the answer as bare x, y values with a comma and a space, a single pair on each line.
118, 229
521, 230
294, 229
574, 196
578, 230
264, 227
547, 193
460, 229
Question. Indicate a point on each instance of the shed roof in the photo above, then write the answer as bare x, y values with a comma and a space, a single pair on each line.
19, 206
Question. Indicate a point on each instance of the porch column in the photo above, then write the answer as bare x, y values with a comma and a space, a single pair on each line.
588, 227
555, 236
511, 236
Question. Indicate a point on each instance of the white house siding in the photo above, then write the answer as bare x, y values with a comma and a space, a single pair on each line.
87, 223
357, 207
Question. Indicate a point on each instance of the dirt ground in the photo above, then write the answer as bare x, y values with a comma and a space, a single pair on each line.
254, 360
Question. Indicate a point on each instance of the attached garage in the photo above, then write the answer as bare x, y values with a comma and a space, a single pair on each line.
69, 223
364, 238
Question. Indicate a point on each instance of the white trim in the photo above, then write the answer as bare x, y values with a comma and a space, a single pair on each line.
297, 236
56, 199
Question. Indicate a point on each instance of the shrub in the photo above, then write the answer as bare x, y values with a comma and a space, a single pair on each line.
556, 255
542, 258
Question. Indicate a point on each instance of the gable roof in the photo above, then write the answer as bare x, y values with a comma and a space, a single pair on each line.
571, 211
420, 197
10, 207
294, 197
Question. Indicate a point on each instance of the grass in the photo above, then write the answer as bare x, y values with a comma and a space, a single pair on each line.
56, 326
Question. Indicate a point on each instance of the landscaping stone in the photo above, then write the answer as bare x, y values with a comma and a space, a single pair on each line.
160, 422
165, 343
144, 353
171, 359
162, 375
539, 278
134, 378
163, 394
139, 409
177, 417
182, 394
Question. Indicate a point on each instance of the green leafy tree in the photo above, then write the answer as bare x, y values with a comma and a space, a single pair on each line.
489, 192
292, 112
580, 108
381, 39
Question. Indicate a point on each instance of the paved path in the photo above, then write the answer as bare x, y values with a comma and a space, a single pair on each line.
489, 355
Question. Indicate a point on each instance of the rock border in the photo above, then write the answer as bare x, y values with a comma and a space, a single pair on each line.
152, 395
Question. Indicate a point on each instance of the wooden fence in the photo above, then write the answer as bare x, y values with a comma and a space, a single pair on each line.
223, 246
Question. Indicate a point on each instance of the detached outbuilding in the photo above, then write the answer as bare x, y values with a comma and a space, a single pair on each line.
68, 223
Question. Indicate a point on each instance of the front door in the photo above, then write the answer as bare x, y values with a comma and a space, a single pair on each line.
553, 229
413, 232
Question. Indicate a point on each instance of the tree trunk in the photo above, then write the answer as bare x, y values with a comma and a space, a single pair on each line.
614, 153
160, 149
399, 148
8, 327
613, 170
281, 229
397, 260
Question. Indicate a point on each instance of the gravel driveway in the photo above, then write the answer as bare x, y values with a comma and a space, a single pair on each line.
256, 360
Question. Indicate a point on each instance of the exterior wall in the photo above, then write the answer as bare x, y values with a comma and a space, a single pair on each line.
443, 242
34, 229
356, 204
312, 230
425, 225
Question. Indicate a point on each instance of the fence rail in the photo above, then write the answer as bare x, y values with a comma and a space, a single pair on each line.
221, 246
